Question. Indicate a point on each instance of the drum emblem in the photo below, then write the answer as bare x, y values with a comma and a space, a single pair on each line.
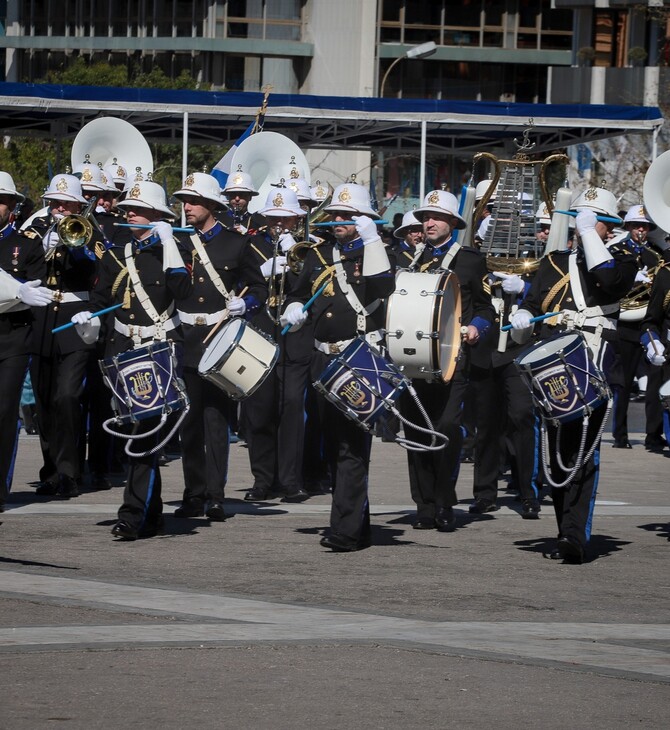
142, 385
558, 388
352, 393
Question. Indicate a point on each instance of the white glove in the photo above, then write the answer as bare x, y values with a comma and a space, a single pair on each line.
280, 265
511, 283
366, 228
520, 320
236, 306
34, 295
87, 326
51, 240
163, 230
241, 229
654, 357
286, 241
294, 316
643, 276
585, 221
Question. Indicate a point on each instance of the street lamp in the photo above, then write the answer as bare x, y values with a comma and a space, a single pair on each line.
422, 51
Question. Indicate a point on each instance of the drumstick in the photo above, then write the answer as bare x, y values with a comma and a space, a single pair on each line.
93, 314
344, 223
603, 218
308, 303
653, 343
223, 318
508, 327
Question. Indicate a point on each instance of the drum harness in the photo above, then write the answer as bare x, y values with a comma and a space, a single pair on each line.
157, 332
438, 440
596, 319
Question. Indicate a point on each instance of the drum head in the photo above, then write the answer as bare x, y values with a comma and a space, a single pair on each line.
550, 347
222, 343
448, 324
664, 390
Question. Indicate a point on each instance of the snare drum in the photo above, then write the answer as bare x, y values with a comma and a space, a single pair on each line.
563, 379
423, 322
144, 383
238, 359
361, 383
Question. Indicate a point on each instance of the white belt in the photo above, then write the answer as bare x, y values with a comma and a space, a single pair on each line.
70, 296
335, 348
197, 318
143, 333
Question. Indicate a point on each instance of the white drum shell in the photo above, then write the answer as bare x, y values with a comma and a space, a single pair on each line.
238, 359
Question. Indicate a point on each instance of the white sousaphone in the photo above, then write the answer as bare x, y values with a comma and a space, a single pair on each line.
267, 157
109, 139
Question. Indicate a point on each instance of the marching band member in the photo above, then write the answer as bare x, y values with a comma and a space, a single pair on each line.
433, 474
22, 269
239, 191
274, 415
587, 282
59, 361
223, 264
409, 236
145, 277
356, 271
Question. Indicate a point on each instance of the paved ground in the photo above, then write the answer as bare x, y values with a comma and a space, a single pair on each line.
251, 624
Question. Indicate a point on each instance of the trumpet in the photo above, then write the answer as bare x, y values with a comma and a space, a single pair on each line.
74, 231
296, 255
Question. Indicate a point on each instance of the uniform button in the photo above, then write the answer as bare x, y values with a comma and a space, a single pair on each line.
55, 308
329, 315
132, 294
569, 299
225, 268
496, 320
59, 255
201, 299
131, 316
343, 258
201, 279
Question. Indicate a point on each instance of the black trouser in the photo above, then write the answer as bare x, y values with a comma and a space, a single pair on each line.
350, 510
630, 354
12, 374
142, 504
653, 408
274, 420
433, 474
58, 383
205, 439
574, 503
504, 402
97, 407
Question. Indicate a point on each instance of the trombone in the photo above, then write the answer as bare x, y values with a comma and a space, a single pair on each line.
76, 230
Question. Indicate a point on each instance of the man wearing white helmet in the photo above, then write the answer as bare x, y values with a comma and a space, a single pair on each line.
629, 331
356, 272
59, 361
22, 268
409, 235
239, 191
145, 277
586, 284
274, 416
223, 265
433, 474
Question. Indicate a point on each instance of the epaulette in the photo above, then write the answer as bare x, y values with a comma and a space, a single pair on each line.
29, 233
99, 249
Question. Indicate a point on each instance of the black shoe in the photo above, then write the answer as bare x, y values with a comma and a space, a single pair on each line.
190, 508
299, 495
530, 509
100, 482
2, 506
67, 488
570, 551
656, 444
153, 529
424, 523
338, 545
445, 519
47, 489
622, 444
481, 506
467, 458
256, 494
124, 531
215, 512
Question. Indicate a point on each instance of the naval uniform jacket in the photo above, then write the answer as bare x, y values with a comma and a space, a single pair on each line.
232, 259
333, 317
253, 222
69, 271
115, 287
22, 256
551, 290
657, 319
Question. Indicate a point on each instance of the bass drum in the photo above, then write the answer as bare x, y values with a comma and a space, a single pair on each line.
423, 324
